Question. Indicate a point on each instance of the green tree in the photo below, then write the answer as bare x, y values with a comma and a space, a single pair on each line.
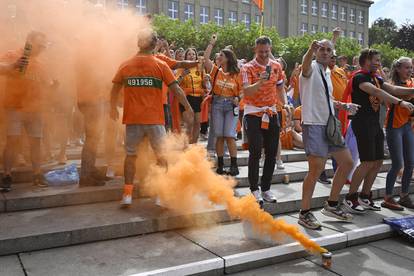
383, 29
405, 36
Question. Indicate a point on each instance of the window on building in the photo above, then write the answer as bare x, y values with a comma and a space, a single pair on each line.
335, 11
352, 34
246, 19
122, 4
343, 33
314, 29
173, 9
361, 38
352, 15
258, 19
324, 29
189, 12
246, 1
141, 6
204, 12
324, 10
361, 17
343, 13
314, 7
233, 17
218, 17
304, 28
304, 6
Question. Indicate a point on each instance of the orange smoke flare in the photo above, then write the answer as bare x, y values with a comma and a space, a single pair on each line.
190, 179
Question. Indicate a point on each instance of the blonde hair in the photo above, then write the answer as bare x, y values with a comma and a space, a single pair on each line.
395, 65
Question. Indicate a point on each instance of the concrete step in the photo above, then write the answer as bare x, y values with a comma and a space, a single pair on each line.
26, 197
216, 250
63, 226
24, 174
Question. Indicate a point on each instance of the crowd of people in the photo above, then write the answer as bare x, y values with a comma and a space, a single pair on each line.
328, 108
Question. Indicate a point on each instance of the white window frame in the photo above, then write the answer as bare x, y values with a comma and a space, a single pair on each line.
335, 11
343, 13
219, 17
304, 6
361, 17
361, 38
233, 17
246, 19
188, 11
173, 9
352, 15
352, 34
325, 8
314, 29
122, 4
303, 30
204, 14
315, 7
258, 19
141, 6
325, 29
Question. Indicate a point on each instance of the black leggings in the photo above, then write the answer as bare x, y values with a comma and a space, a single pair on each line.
259, 138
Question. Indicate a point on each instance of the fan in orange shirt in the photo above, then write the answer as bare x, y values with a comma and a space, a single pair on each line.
141, 79
339, 79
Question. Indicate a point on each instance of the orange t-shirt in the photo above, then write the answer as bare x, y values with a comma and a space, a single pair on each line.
297, 114
142, 77
225, 85
339, 82
171, 63
192, 84
24, 91
398, 115
286, 139
267, 94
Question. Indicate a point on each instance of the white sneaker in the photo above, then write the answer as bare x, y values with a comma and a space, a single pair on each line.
268, 196
126, 201
110, 172
280, 165
258, 196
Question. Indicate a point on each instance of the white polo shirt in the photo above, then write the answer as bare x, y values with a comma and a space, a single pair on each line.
315, 109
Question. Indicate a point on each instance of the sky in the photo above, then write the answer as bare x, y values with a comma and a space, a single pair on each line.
397, 10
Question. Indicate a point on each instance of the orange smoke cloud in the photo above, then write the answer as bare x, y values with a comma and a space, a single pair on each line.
190, 181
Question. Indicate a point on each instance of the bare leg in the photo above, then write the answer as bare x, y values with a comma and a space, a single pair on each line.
360, 173
9, 154
129, 168
220, 146
231, 144
316, 166
345, 165
370, 177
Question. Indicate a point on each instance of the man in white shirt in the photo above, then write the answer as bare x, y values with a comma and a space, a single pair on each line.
315, 83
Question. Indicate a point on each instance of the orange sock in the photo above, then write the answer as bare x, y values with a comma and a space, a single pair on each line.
128, 188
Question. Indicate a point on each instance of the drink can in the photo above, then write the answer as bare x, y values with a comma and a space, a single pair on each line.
286, 179
326, 259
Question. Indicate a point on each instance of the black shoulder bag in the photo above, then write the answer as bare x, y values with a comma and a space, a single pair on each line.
333, 128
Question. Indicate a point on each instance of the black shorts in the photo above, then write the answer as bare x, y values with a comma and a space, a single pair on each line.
195, 103
370, 139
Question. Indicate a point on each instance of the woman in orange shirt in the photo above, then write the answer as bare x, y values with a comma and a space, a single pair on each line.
226, 89
192, 84
400, 139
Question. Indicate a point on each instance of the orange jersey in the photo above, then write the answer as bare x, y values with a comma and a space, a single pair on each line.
225, 85
192, 84
396, 115
267, 94
24, 91
142, 77
339, 82
286, 139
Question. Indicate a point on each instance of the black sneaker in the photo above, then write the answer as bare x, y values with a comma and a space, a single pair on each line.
234, 170
39, 181
220, 170
6, 184
324, 179
88, 181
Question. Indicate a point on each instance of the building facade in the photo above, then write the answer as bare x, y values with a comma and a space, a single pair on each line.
290, 17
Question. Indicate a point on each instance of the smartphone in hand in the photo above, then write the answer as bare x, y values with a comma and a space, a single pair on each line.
269, 71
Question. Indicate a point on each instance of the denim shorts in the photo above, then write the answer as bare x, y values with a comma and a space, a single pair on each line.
135, 134
316, 143
225, 123
17, 120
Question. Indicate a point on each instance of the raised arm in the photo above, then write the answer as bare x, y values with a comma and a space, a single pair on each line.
116, 88
251, 89
208, 65
307, 59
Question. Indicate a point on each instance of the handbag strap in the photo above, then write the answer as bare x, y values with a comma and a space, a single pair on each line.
325, 84
214, 81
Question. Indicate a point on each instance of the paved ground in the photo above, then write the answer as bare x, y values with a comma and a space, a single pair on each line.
393, 256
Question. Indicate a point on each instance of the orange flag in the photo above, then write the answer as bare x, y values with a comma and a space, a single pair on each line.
259, 4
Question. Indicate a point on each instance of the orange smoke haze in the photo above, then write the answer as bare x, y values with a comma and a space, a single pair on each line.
190, 182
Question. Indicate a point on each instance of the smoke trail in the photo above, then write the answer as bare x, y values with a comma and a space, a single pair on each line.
190, 181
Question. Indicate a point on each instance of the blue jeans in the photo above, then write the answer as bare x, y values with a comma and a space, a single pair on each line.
401, 146
224, 121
